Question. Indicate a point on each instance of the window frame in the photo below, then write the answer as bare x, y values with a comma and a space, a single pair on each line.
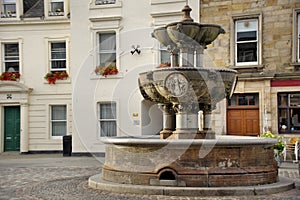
100, 120
51, 121
4, 61
99, 51
56, 12
245, 42
297, 36
247, 96
53, 15
5, 14
48, 42
233, 37
50, 60
287, 108
162, 49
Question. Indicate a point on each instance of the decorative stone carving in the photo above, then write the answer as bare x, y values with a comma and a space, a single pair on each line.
177, 84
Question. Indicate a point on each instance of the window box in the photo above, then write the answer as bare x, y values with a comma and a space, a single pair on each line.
164, 65
52, 13
10, 76
51, 77
8, 15
104, 71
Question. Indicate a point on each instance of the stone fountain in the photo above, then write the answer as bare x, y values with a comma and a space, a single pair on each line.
185, 160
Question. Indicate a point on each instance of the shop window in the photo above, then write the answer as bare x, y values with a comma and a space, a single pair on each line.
246, 42
58, 120
58, 56
8, 8
11, 57
289, 112
243, 100
107, 119
298, 37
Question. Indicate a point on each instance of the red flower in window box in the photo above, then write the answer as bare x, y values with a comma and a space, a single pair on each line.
163, 65
104, 71
10, 76
51, 77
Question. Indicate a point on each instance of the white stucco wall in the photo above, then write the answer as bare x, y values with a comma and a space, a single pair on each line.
133, 21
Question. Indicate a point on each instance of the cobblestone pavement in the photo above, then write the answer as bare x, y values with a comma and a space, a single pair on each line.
35, 177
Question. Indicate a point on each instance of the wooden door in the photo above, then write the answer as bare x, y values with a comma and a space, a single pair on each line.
244, 122
12, 128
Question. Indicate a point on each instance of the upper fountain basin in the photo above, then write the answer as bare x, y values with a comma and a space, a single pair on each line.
179, 33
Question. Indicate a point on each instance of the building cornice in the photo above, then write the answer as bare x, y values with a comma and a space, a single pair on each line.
33, 22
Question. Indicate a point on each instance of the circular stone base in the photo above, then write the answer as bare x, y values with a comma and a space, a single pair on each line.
96, 182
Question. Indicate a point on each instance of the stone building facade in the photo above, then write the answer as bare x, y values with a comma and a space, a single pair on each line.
262, 44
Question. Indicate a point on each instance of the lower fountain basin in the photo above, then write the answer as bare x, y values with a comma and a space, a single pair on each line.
222, 162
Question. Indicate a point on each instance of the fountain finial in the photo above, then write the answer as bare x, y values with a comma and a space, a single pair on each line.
186, 17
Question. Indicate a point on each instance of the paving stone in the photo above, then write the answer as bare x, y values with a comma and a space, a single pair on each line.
41, 177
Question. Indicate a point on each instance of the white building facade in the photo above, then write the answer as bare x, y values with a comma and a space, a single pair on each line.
116, 34
79, 38
35, 40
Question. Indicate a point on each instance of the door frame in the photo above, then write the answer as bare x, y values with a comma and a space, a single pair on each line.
14, 93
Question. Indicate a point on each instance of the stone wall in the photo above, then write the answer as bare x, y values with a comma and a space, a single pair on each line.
277, 28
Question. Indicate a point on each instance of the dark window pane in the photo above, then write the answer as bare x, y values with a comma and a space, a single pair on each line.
282, 99
12, 66
108, 128
107, 111
246, 36
247, 52
283, 123
107, 59
58, 55
295, 119
59, 112
295, 100
242, 101
251, 100
59, 128
57, 6
107, 41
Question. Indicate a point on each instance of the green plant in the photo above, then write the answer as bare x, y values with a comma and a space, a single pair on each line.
51, 77
279, 146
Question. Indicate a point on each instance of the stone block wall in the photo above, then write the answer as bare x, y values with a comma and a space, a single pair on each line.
277, 29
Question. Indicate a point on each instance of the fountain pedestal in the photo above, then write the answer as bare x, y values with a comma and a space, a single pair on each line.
185, 160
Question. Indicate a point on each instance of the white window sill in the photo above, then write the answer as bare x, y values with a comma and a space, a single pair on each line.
60, 14
113, 76
247, 67
118, 4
